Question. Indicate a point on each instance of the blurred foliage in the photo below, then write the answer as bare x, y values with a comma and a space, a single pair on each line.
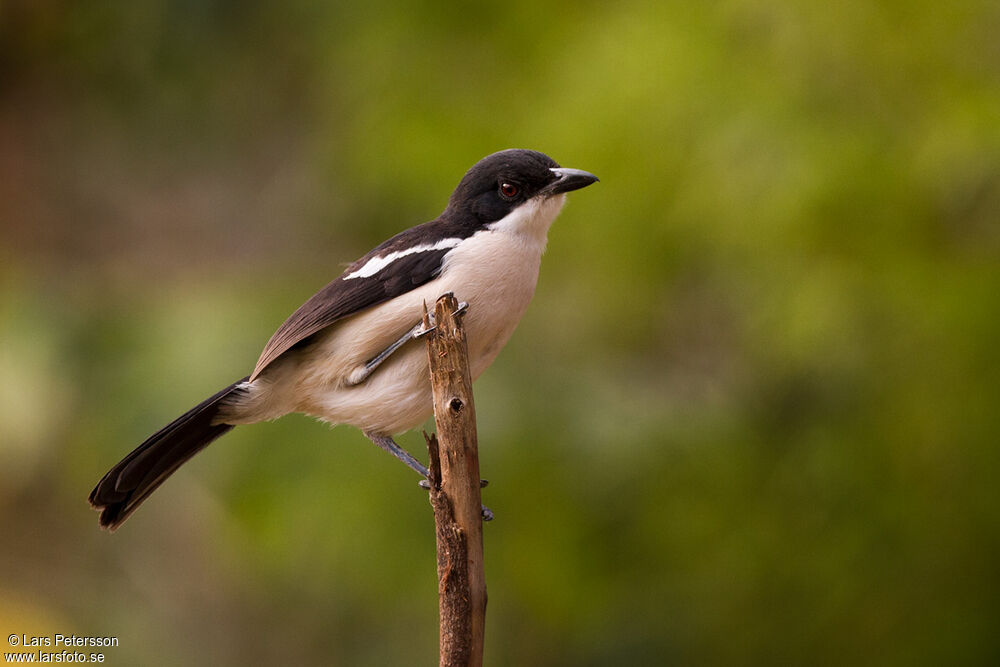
751, 418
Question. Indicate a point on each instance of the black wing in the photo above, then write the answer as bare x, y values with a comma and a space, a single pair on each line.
347, 296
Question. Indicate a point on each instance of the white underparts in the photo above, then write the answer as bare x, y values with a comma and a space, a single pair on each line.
495, 270
376, 264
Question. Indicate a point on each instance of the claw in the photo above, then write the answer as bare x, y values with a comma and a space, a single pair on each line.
485, 511
425, 484
421, 332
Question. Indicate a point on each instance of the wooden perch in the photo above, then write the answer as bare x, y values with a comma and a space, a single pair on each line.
455, 490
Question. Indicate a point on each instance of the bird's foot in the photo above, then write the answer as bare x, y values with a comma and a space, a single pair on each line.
421, 330
485, 511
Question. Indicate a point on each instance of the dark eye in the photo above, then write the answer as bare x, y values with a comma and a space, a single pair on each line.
508, 190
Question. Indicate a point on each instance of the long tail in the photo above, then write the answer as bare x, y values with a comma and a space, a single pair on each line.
126, 485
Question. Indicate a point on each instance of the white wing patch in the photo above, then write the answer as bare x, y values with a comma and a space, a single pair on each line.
376, 264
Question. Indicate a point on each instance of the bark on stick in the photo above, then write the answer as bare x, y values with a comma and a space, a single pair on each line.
455, 490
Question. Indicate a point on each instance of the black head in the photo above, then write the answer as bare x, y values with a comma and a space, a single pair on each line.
501, 182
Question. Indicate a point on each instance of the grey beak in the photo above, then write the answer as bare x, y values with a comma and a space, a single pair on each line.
569, 179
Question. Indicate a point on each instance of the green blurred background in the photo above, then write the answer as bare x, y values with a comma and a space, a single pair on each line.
750, 418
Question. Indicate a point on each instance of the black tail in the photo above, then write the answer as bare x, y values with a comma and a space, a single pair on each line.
126, 485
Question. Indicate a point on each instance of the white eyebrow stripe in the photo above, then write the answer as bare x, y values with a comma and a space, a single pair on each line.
376, 264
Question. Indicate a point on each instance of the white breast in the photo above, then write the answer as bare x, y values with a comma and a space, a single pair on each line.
495, 271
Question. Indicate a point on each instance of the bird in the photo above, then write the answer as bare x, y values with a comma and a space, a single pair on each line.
346, 355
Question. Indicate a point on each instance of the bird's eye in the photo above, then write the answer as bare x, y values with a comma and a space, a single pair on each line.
508, 190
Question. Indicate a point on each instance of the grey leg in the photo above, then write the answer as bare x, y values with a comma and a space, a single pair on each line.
388, 444
362, 374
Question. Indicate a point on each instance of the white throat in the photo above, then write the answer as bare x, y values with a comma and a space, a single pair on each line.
531, 219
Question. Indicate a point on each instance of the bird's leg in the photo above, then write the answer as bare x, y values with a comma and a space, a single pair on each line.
388, 444
416, 331
363, 372
419, 331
